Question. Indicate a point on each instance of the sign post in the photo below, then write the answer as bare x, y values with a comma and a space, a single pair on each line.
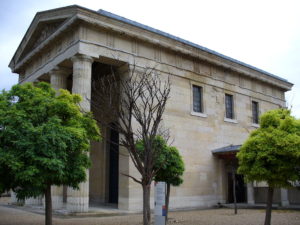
160, 203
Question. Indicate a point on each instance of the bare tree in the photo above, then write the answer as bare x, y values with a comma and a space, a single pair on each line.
135, 99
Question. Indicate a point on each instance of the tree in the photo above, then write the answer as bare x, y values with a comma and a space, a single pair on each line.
169, 166
272, 153
136, 101
44, 141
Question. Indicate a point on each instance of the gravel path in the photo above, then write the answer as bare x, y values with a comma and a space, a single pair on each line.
15, 216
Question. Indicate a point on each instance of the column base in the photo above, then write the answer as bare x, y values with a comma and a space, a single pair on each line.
78, 204
285, 203
250, 202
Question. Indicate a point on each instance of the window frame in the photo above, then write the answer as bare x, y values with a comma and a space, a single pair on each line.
202, 102
255, 121
233, 116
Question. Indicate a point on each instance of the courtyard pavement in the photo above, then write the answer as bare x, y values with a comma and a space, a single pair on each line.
16, 215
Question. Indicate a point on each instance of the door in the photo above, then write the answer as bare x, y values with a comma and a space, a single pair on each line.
114, 167
240, 188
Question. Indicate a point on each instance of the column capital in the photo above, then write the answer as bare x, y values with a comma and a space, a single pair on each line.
58, 70
58, 77
81, 57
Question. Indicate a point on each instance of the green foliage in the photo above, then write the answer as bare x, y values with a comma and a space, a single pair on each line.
272, 152
44, 139
168, 161
173, 168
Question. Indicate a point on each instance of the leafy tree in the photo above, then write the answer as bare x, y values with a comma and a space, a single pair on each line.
169, 166
44, 140
272, 153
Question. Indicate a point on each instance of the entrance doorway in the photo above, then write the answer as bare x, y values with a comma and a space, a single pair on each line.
240, 188
113, 167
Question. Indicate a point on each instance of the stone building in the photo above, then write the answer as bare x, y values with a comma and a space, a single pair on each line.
215, 101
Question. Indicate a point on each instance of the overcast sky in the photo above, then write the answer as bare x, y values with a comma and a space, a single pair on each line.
265, 34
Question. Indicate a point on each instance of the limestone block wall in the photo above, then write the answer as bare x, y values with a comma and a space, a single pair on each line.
195, 136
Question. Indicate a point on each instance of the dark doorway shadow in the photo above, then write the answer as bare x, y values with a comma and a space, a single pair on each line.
113, 167
240, 188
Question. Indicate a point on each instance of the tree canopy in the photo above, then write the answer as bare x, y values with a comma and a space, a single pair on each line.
272, 152
168, 166
44, 139
172, 169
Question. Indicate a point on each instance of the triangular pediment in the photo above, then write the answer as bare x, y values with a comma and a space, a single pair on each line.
43, 25
42, 32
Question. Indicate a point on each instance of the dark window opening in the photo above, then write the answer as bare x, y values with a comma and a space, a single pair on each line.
255, 112
197, 99
229, 106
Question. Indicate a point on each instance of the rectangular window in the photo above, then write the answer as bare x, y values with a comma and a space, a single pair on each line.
197, 99
229, 106
255, 112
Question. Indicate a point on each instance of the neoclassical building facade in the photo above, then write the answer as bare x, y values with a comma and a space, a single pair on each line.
215, 101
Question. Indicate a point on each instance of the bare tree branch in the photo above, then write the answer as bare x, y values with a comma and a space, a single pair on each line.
134, 102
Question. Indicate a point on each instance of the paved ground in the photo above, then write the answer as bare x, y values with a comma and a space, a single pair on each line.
18, 216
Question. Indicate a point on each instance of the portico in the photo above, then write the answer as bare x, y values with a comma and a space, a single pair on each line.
250, 193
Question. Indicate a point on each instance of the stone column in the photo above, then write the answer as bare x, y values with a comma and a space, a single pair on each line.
284, 197
82, 74
78, 200
58, 79
21, 77
250, 194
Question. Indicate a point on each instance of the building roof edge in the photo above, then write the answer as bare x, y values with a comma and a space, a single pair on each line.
165, 34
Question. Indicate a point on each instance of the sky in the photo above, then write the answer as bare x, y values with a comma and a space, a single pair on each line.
262, 33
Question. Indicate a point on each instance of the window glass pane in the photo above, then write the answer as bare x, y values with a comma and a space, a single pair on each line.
255, 112
229, 106
197, 99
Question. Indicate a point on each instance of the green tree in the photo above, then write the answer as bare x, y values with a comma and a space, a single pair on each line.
44, 140
272, 153
169, 165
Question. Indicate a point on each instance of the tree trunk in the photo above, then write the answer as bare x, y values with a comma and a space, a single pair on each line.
167, 200
48, 209
146, 204
269, 206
